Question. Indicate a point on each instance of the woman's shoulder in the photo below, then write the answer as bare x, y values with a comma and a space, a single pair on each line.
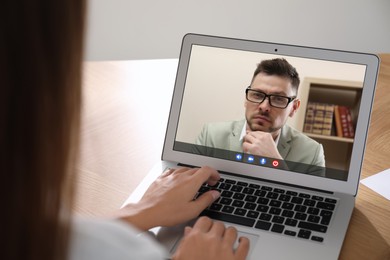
110, 239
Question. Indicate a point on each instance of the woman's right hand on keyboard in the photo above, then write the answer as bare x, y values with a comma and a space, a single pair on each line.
209, 239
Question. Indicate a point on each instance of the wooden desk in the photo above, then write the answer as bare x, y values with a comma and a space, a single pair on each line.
126, 106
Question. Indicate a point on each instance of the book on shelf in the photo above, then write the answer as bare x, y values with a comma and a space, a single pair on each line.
309, 118
328, 119
337, 119
343, 121
319, 118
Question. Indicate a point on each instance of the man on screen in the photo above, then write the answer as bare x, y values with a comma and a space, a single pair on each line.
270, 99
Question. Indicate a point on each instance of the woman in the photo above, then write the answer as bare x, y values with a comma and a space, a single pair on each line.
40, 64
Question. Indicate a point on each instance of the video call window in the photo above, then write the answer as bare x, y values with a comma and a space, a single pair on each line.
329, 94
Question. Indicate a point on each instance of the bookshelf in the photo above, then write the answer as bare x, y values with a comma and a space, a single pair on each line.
336, 93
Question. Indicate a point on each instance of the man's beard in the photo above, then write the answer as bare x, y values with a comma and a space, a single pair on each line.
270, 129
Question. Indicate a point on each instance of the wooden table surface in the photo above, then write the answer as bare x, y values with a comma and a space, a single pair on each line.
125, 110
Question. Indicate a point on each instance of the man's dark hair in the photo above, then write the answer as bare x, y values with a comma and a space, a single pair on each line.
279, 67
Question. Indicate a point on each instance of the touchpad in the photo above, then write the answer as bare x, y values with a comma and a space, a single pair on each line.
252, 241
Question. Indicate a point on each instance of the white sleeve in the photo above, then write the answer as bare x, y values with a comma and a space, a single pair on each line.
111, 239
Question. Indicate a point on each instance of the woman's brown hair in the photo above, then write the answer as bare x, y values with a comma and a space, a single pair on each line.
40, 78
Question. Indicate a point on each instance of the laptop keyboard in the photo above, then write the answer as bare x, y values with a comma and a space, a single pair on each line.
272, 209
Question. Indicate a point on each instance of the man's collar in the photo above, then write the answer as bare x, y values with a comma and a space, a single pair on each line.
243, 132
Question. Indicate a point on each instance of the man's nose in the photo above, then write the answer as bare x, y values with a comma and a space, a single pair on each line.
265, 105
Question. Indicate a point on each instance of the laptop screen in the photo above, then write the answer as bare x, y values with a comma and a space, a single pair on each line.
227, 112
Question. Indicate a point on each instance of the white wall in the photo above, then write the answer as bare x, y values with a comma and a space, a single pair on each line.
144, 29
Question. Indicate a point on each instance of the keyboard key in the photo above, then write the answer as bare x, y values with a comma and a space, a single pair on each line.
236, 188
284, 197
250, 198
287, 205
326, 213
304, 195
291, 222
278, 219
263, 225
300, 208
287, 213
329, 200
326, 217
309, 203
275, 211
292, 193
252, 214
272, 195
314, 197
296, 200
277, 228
238, 196
255, 186
318, 239
324, 205
229, 218
300, 216
240, 212
266, 217
225, 201
262, 208
227, 194
304, 234
260, 193
238, 203
249, 191
227, 209
250, 205
266, 188
230, 181
313, 219
225, 186
313, 226
275, 203
290, 233
263, 201
313, 211
242, 183
279, 190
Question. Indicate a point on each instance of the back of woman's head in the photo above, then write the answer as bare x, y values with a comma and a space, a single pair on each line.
40, 74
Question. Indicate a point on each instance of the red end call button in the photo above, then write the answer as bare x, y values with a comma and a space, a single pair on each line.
275, 163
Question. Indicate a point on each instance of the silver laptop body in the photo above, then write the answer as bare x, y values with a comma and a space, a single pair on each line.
212, 75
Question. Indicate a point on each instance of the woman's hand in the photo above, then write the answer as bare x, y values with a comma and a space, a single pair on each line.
170, 199
211, 240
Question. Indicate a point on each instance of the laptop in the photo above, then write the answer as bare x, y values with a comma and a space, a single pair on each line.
288, 209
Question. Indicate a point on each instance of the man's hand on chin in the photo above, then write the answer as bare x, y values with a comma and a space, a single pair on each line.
261, 144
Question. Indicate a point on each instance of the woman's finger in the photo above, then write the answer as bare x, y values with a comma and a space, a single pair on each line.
230, 236
218, 229
203, 224
242, 249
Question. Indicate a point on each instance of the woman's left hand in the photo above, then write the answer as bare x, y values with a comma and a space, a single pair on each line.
170, 198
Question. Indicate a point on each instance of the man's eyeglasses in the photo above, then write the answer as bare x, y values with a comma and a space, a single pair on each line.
256, 96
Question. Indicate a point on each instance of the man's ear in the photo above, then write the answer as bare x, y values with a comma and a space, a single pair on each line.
296, 105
